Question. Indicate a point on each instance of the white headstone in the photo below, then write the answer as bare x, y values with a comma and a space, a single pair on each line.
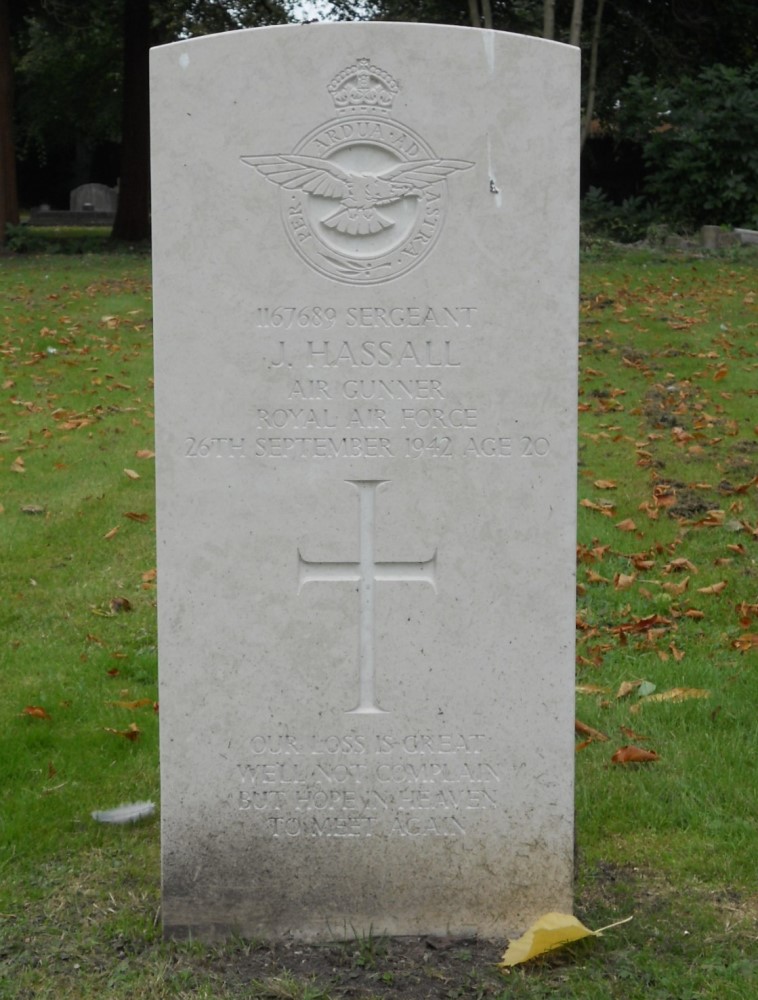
365, 246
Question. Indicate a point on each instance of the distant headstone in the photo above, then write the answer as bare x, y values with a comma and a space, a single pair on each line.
365, 307
93, 198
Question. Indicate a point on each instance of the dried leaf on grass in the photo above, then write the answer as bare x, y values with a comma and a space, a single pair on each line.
673, 694
634, 755
585, 730
551, 931
35, 712
132, 733
715, 588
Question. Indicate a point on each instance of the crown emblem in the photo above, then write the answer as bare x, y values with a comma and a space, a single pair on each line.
363, 87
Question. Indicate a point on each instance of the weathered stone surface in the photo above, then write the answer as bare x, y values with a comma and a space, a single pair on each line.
365, 302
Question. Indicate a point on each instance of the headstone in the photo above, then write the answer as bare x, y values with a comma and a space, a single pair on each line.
93, 198
365, 265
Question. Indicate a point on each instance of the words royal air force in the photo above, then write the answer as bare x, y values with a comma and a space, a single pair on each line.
367, 382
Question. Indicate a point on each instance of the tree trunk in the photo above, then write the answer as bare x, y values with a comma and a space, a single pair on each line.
487, 14
133, 213
473, 13
575, 32
8, 186
592, 81
548, 19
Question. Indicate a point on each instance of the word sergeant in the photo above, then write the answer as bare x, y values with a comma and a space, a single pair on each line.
365, 310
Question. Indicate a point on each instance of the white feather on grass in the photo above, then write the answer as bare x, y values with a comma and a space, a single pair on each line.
128, 813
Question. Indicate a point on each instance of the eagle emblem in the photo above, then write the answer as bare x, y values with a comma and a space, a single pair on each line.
360, 194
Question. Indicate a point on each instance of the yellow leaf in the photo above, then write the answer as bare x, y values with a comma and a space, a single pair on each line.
673, 694
551, 931
132, 474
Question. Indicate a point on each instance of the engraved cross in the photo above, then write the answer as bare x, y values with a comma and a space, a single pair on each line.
366, 572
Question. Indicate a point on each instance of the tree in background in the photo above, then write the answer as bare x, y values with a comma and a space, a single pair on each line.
82, 82
81, 71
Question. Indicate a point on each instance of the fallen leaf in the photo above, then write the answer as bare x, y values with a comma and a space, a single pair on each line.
623, 581
18, 465
673, 694
745, 642
631, 735
605, 484
35, 712
145, 453
626, 525
132, 474
112, 533
592, 689
131, 705
132, 733
140, 518
606, 508
149, 576
551, 931
119, 604
715, 588
593, 734
677, 589
679, 566
634, 755
626, 688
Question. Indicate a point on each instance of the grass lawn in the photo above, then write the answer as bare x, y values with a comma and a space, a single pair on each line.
667, 654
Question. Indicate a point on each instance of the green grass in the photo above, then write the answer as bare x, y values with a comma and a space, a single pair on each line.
668, 382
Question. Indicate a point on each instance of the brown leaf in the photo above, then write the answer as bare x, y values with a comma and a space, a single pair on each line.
131, 705
626, 525
679, 566
606, 508
626, 688
140, 518
18, 465
35, 712
132, 474
634, 755
585, 730
149, 576
119, 604
623, 581
641, 625
749, 640
715, 588
605, 484
592, 689
677, 589
631, 735
145, 453
132, 733
112, 533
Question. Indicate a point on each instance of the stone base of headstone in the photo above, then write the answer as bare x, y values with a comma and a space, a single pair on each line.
55, 217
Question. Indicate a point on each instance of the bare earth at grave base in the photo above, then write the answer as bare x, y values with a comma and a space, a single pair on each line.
414, 968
